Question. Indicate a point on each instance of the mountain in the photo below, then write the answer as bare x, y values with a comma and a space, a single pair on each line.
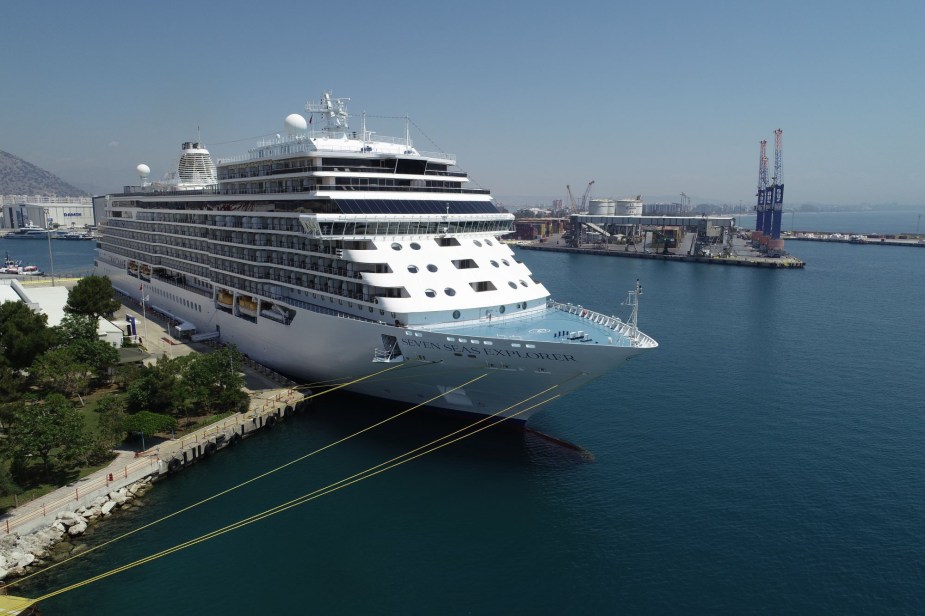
18, 177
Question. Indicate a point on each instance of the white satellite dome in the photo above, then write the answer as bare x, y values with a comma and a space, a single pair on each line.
295, 124
143, 170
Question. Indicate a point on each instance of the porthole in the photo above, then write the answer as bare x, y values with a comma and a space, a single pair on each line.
413, 269
455, 314
415, 246
396, 246
430, 293
495, 263
477, 243
431, 268
512, 284
489, 242
522, 283
505, 261
450, 291
501, 309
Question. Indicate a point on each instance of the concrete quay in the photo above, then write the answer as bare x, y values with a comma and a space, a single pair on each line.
784, 262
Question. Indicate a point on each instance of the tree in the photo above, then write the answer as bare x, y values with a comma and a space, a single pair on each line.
112, 420
215, 381
76, 327
99, 355
60, 370
160, 388
24, 334
147, 422
38, 428
92, 296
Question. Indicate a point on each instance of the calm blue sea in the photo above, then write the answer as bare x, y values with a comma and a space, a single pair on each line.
768, 458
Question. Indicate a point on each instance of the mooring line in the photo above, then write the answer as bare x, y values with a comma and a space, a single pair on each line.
240, 485
333, 487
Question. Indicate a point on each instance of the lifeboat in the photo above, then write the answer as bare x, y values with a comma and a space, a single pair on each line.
132, 267
224, 299
247, 306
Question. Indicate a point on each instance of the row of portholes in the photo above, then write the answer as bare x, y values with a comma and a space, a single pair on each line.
416, 246
414, 268
495, 263
413, 245
501, 309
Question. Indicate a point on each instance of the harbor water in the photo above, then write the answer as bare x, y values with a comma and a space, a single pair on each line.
767, 458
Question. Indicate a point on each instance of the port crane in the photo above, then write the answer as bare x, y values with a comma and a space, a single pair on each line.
583, 206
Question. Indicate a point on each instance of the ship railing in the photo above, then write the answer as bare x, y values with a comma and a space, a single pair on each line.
609, 322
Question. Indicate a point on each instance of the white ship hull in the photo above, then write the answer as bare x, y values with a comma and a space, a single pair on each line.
328, 350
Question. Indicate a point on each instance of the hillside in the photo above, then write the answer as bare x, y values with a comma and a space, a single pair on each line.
18, 177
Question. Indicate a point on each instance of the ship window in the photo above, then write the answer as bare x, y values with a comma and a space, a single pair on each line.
450, 291
488, 242
455, 314
431, 268
501, 309
396, 246
522, 283
477, 243
415, 246
413, 269
512, 284
495, 263
430, 293
505, 261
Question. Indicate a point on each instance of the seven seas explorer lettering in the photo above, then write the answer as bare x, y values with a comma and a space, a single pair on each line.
486, 351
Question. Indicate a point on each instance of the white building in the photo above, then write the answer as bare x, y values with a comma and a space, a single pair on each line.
50, 301
66, 212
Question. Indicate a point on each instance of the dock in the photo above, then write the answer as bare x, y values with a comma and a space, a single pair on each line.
734, 259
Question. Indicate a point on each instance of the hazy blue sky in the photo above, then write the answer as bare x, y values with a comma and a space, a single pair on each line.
652, 98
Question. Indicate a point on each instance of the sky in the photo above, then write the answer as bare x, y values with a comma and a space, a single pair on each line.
653, 98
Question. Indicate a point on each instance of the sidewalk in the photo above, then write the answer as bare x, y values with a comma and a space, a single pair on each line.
124, 470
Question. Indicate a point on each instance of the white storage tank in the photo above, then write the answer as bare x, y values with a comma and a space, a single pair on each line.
629, 207
601, 207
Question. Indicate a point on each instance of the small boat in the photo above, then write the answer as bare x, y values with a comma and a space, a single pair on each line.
14, 267
30, 232
72, 235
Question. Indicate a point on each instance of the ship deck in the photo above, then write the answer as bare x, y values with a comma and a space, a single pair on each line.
559, 323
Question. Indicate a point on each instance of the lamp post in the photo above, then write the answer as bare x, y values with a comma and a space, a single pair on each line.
51, 257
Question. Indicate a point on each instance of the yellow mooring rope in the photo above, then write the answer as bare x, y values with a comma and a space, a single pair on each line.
242, 484
333, 487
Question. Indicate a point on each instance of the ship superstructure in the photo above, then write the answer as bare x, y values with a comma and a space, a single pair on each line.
326, 253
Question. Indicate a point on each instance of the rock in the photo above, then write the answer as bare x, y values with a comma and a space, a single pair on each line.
99, 501
59, 526
3, 573
107, 508
69, 518
93, 513
79, 549
77, 529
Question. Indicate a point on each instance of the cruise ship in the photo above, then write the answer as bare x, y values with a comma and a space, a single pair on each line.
339, 256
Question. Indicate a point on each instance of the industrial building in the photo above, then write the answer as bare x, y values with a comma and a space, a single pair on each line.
24, 211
